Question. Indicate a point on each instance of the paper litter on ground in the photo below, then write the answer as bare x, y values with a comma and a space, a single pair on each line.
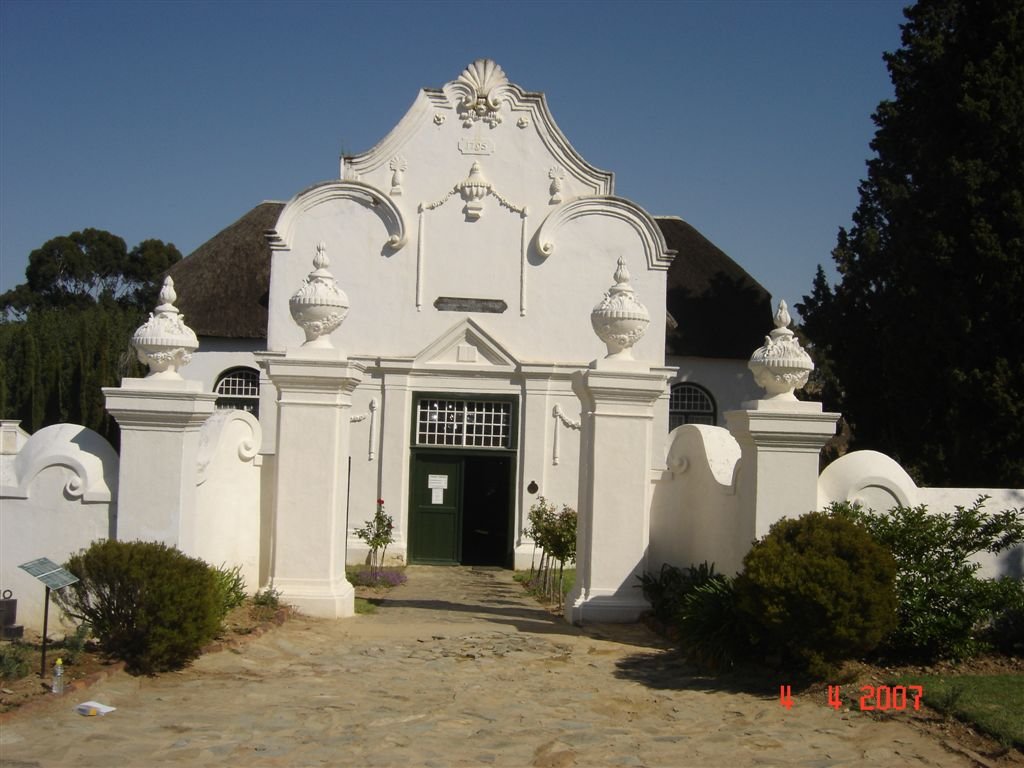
93, 708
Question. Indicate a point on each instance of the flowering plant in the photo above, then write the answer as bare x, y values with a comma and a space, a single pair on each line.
377, 533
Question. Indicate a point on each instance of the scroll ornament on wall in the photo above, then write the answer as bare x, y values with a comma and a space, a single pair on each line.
371, 414
560, 419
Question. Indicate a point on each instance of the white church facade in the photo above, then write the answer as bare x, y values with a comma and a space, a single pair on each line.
466, 318
472, 242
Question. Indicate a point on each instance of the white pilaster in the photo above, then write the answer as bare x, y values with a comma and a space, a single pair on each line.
614, 518
778, 475
314, 388
160, 419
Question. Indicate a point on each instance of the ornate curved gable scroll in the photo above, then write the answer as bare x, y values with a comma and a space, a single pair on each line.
656, 251
280, 237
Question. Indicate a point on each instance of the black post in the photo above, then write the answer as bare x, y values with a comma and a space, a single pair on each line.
46, 619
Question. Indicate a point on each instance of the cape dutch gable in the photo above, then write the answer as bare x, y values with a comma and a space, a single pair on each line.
472, 242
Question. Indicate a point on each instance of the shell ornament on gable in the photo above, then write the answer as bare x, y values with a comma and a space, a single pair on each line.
781, 366
479, 88
319, 306
619, 319
164, 342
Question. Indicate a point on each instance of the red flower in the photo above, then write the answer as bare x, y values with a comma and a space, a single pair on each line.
381, 502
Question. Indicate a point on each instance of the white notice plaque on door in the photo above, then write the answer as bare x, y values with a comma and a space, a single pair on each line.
437, 482
437, 495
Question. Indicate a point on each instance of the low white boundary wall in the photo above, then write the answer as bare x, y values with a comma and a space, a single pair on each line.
58, 490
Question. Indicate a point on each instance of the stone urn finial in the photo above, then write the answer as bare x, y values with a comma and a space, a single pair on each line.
781, 366
619, 319
319, 306
474, 188
164, 342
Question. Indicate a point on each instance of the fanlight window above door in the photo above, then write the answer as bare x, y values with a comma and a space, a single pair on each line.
466, 423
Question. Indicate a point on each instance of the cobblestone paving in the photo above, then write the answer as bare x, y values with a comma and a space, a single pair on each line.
457, 668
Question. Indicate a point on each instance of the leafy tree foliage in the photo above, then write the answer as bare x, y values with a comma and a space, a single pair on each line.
921, 343
64, 333
943, 604
83, 268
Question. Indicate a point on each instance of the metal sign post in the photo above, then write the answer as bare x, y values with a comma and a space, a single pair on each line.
54, 577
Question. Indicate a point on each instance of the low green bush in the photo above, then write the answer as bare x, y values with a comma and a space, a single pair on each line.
817, 590
265, 603
1006, 632
714, 632
667, 589
943, 605
230, 587
146, 603
14, 661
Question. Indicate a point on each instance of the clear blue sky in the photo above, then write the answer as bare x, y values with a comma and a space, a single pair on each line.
751, 120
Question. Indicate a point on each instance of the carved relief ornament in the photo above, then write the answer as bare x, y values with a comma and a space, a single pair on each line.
480, 87
781, 366
619, 319
398, 166
319, 306
164, 342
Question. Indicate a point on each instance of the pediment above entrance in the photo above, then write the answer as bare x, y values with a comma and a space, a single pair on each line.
466, 345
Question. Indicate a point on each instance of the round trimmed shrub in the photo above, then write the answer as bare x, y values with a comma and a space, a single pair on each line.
818, 589
146, 603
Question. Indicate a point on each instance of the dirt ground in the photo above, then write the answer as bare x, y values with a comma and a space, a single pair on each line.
426, 624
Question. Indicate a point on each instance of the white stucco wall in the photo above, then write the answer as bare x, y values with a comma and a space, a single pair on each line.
729, 381
401, 231
58, 495
876, 481
216, 355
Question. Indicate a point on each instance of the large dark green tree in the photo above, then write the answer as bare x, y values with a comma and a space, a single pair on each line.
88, 267
64, 332
922, 339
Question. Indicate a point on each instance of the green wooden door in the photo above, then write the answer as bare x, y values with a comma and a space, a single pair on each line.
436, 521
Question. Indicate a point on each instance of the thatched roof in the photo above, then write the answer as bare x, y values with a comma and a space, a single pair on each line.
719, 309
224, 285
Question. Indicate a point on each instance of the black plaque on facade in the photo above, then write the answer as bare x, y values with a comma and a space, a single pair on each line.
460, 304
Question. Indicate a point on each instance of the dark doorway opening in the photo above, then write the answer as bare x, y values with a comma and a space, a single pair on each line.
461, 511
485, 510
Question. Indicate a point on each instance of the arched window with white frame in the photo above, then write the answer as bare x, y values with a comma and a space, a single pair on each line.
239, 389
690, 403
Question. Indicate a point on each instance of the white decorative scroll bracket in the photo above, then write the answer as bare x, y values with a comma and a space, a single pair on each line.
372, 416
560, 418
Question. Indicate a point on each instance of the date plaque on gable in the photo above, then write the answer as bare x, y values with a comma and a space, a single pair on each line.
476, 146
459, 304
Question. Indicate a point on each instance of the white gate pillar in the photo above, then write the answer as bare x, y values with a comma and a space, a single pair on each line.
614, 509
778, 474
314, 395
780, 437
311, 484
618, 395
160, 417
